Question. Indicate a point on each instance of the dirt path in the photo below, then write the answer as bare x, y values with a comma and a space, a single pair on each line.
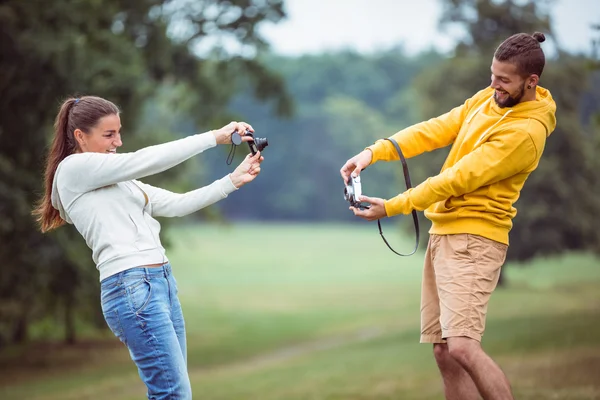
291, 352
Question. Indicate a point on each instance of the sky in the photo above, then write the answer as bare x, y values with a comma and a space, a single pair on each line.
373, 25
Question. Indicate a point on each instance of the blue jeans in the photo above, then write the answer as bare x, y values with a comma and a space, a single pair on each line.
141, 307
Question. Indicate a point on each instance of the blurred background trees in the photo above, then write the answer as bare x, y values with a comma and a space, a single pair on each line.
348, 100
179, 67
138, 54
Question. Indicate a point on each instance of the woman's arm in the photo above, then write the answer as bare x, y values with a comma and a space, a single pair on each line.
83, 172
164, 203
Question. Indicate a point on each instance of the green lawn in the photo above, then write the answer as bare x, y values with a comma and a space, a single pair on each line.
328, 312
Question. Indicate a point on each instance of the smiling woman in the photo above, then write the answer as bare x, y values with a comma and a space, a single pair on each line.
92, 187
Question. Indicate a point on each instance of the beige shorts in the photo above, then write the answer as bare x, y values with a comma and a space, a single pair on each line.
460, 273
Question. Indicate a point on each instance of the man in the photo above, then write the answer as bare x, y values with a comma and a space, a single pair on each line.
498, 136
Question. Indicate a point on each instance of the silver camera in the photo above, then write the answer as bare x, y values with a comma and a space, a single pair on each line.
353, 191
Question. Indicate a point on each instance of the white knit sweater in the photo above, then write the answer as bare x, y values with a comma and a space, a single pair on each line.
99, 194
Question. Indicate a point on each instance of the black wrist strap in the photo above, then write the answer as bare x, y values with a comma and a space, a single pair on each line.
414, 212
231, 154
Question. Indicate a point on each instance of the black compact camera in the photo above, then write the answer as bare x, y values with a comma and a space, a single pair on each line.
256, 144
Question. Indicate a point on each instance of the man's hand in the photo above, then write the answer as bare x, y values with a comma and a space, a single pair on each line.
356, 164
375, 211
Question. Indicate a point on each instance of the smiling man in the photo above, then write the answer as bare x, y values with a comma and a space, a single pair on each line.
498, 137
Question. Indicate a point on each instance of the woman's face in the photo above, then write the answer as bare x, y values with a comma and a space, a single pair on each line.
105, 137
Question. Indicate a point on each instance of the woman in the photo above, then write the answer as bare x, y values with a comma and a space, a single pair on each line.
91, 186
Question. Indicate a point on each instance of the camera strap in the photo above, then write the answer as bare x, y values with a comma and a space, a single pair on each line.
414, 212
236, 140
231, 154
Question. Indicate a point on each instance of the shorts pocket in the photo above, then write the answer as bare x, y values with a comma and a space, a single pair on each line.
499, 246
486, 249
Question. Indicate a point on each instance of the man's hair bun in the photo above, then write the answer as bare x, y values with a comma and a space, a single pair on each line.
539, 36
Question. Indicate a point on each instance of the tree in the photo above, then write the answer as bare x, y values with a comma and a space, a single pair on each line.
122, 50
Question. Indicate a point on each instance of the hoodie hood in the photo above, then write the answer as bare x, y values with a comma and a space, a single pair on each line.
543, 109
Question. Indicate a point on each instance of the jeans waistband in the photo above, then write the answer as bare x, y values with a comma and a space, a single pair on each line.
147, 272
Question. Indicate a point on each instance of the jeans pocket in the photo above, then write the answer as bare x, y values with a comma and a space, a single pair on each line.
139, 294
114, 323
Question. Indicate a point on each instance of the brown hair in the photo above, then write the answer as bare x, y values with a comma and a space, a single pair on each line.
524, 51
75, 113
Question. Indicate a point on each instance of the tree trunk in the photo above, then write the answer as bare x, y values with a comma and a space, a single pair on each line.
20, 329
70, 336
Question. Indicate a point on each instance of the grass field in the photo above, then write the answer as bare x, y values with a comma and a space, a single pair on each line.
311, 312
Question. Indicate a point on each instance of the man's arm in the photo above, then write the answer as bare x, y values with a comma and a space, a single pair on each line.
422, 137
504, 155
414, 140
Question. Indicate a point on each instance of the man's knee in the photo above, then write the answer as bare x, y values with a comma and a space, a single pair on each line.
440, 350
441, 354
463, 349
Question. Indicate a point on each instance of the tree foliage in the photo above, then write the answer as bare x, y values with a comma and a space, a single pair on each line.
178, 67
123, 50
345, 101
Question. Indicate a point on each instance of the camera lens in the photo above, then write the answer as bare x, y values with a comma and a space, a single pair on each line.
261, 143
349, 194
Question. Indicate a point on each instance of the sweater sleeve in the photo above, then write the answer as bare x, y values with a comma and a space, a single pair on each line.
84, 172
164, 203
422, 137
504, 155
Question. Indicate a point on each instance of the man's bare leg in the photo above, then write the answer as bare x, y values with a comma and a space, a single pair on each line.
458, 384
485, 373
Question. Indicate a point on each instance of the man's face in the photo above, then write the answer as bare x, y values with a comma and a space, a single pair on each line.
508, 84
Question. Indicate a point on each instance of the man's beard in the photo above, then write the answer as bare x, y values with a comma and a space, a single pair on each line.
511, 100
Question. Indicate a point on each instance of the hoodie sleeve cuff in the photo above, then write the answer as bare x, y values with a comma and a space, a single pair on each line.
226, 186
382, 150
209, 139
397, 205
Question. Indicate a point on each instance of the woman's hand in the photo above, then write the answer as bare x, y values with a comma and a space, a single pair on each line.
247, 170
223, 135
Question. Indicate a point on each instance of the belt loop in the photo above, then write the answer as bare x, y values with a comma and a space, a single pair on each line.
147, 273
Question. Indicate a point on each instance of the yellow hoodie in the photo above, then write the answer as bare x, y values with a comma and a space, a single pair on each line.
494, 151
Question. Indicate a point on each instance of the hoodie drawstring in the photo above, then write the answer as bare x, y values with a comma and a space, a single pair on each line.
491, 127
